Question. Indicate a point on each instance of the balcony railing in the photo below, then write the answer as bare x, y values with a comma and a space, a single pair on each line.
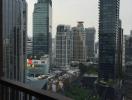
12, 90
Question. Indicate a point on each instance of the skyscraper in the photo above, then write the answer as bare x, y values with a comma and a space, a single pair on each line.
13, 38
108, 48
120, 51
108, 33
128, 48
53, 51
128, 81
42, 28
79, 46
63, 46
90, 43
128, 67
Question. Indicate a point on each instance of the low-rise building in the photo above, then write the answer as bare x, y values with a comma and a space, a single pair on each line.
38, 67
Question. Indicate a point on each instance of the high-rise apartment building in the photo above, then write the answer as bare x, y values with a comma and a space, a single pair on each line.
13, 32
42, 28
63, 46
79, 46
90, 43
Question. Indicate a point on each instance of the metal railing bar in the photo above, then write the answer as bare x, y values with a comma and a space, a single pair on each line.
41, 94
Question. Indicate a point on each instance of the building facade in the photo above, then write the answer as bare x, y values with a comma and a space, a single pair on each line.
128, 48
53, 52
13, 38
108, 49
128, 81
79, 46
96, 49
120, 51
42, 28
1, 38
25, 14
90, 43
29, 47
128, 67
126, 39
63, 46
108, 33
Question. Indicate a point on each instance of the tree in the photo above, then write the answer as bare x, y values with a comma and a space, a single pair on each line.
89, 69
83, 68
78, 93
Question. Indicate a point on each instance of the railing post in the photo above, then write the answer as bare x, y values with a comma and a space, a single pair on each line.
25, 96
30, 97
1, 92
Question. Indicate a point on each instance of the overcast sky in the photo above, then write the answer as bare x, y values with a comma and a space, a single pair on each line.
70, 11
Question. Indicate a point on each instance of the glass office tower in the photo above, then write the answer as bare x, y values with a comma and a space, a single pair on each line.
108, 36
42, 28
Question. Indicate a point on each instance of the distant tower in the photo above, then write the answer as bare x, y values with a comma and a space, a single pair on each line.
53, 51
90, 43
79, 46
42, 28
29, 47
63, 46
131, 32
120, 51
97, 50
